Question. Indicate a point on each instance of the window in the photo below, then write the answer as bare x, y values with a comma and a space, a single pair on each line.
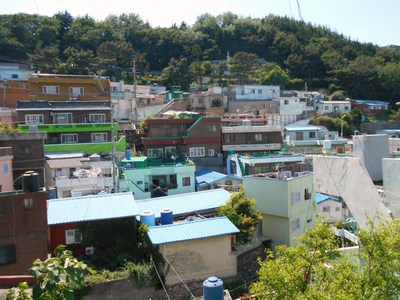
155, 153
28, 204
7, 255
230, 138
286, 102
346, 108
50, 90
2, 208
200, 101
170, 151
326, 209
185, 181
326, 107
197, 152
309, 220
76, 91
307, 194
34, 119
258, 137
210, 152
62, 118
99, 137
246, 106
311, 135
337, 208
72, 236
212, 128
253, 91
14, 76
173, 183
295, 197
299, 136
97, 118
260, 91
295, 224
69, 138
24, 150
242, 92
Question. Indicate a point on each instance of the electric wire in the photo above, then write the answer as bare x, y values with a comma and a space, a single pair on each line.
159, 277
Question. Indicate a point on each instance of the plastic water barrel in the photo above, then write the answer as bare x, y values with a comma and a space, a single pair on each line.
27, 182
51, 192
35, 182
128, 154
213, 289
167, 217
148, 218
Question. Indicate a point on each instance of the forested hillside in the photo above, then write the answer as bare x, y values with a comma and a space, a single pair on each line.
272, 50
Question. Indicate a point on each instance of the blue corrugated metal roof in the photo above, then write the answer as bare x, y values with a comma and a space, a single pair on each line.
191, 230
208, 177
322, 197
185, 203
302, 128
88, 208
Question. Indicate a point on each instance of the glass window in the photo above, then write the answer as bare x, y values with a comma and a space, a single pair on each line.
97, 118
295, 224
24, 150
99, 137
76, 91
311, 135
7, 255
286, 102
185, 181
72, 236
14, 76
197, 152
69, 138
28, 204
34, 119
62, 118
50, 90
295, 197
258, 137
326, 208
170, 151
155, 153
211, 152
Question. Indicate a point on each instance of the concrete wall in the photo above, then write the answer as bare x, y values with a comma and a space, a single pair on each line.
199, 259
348, 178
391, 184
370, 149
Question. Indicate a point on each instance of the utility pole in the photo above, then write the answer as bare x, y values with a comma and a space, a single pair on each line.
134, 93
113, 167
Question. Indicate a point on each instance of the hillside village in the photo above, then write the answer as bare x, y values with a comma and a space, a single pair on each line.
79, 149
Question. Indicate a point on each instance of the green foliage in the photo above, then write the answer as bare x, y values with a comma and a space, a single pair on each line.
241, 211
338, 96
316, 269
243, 66
7, 128
19, 292
394, 116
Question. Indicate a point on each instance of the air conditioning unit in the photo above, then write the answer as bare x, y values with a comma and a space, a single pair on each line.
89, 250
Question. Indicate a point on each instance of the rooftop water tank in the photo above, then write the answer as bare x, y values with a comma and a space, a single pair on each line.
167, 217
51, 192
128, 154
148, 218
213, 289
35, 182
26, 182
246, 122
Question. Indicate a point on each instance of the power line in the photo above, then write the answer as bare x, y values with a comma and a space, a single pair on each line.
159, 278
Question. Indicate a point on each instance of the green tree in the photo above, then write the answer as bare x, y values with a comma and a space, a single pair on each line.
243, 66
272, 73
241, 211
316, 269
394, 116
177, 73
58, 277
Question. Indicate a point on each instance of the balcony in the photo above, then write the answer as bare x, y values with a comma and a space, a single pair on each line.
65, 128
5, 151
249, 129
252, 147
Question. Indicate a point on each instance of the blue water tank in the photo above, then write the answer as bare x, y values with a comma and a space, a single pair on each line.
213, 289
167, 217
128, 166
128, 154
148, 218
51, 192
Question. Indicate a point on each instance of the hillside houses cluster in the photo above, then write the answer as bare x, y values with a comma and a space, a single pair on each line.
88, 149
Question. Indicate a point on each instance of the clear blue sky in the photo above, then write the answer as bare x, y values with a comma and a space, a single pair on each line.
377, 22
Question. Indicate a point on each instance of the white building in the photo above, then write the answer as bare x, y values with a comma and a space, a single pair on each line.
256, 92
14, 71
332, 107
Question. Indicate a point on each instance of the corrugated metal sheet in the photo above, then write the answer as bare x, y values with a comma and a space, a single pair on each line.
64, 163
185, 203
208, 177
64, 155
191, 230
88, 208
322, 197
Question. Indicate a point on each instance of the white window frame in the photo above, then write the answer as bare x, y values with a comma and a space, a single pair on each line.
295, 197
197, 152
57, 117
295, 225
171, 150
51, 89
93, 118
73, 236
184, 179
76, 91
28, 203
95, 137
155, 152
326, 209
65, 138
258, 137
34, 119
210, 152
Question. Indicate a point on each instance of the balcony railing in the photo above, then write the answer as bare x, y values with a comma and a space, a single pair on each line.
72, 127
5, 151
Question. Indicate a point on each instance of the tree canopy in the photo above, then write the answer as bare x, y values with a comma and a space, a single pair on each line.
317, 269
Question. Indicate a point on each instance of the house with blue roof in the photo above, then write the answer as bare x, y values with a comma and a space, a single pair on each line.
331, 208
198, 249
66, 214
208, 179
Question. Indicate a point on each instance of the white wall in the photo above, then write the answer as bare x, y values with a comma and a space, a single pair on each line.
391, 184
